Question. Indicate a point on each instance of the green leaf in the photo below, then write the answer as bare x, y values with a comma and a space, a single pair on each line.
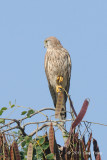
28, 139
1, 112
4, 108
38, 150
25, 150
2, 121
45, 146
39, 156
23, 143
41, 140
31, 111
50, 156
13, 105
24, 112
21, 138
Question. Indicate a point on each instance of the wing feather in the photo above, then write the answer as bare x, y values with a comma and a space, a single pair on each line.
52, 91
68, 76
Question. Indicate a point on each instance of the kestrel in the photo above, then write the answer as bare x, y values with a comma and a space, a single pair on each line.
58, 72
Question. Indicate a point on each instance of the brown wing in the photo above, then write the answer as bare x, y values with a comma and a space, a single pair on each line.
52, 91
68, 76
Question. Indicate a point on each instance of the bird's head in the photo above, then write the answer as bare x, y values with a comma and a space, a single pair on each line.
51, 42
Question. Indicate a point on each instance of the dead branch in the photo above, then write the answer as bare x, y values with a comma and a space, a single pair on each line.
13, 120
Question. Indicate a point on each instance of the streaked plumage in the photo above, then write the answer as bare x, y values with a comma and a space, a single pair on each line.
57, 63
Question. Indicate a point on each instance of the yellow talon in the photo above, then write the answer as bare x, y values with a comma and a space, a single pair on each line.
60, 79
58, 88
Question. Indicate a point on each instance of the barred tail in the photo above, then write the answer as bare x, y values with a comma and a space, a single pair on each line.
63, 112
60, 110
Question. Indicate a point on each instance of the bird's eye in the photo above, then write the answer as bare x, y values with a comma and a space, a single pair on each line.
46, 41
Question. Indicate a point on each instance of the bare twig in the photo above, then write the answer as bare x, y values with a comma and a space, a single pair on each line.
13, 120
43, 126
46, 121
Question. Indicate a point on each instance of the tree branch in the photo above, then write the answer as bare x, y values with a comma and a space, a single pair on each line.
13, 120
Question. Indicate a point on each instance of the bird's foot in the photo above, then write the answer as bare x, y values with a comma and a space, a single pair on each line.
60, 79
58, 88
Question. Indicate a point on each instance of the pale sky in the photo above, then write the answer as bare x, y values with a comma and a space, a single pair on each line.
81, 26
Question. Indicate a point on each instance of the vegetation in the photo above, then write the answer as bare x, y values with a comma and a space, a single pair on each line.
16, 144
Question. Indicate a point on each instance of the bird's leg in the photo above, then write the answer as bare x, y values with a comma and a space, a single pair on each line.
59, 79
58, 88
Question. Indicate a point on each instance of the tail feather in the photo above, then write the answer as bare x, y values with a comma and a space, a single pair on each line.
60, 110
63, 112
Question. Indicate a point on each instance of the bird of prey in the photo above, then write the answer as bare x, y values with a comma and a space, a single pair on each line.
58, 72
